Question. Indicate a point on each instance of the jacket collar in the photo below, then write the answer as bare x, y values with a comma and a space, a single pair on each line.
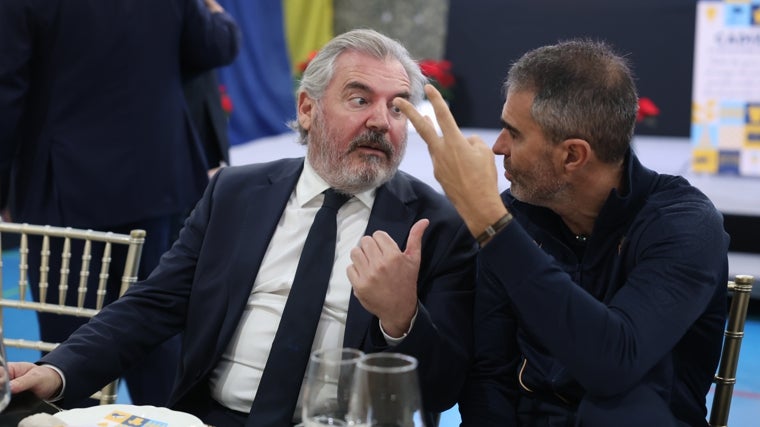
619, 208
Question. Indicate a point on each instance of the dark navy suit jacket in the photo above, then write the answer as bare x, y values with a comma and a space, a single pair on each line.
94, 131
202, 284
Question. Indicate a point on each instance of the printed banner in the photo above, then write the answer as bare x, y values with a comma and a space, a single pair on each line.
725, 131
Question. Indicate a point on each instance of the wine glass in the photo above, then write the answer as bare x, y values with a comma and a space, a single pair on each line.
5, 380
328, 386
386, 392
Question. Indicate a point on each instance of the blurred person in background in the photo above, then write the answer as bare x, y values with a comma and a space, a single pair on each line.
94, 131
209, 115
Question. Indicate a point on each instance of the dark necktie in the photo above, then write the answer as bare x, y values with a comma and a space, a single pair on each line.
280, 384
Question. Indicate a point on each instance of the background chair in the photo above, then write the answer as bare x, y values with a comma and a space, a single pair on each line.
725, 378
66, 238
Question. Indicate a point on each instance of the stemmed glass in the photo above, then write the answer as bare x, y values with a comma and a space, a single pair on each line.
328, 386
5, 380
386, 392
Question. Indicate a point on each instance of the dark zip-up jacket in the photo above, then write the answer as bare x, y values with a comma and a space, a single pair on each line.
642, 302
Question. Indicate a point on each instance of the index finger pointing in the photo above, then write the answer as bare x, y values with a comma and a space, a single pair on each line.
423, 125
442, 112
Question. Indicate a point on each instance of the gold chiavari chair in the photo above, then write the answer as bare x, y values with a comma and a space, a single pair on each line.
65, 238
725, 378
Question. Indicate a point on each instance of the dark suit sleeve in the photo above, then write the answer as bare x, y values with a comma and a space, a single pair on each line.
16, 48
209, 40
441, 337
149, 313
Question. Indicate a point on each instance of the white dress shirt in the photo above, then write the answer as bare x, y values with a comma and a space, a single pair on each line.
235, 379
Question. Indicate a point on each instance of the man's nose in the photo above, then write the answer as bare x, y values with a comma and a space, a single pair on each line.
379, 118
503, 143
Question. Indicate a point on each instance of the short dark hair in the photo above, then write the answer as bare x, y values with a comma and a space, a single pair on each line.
583, 89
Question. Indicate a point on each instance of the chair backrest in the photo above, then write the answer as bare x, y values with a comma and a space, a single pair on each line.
65, 238
725, 378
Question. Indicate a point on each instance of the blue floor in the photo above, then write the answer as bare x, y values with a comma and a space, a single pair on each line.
745, 406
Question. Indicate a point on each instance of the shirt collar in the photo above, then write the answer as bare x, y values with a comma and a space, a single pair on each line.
310, 185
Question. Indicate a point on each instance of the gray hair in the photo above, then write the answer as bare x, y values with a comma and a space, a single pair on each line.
582, 90
320, 70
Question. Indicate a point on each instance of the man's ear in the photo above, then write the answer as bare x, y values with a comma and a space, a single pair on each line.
577, 153
305, 110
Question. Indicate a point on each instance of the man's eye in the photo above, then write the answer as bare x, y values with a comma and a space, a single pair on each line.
358, 101
395, 110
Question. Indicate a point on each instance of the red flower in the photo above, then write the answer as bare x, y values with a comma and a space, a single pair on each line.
225, 100
439, 74
647, 110
438, 70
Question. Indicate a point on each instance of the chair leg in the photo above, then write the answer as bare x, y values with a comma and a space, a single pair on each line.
108, 393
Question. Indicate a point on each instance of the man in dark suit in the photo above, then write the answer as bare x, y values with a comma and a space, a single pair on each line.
94, 132
402, 279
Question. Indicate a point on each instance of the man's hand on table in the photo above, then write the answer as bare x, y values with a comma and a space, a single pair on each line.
43, 381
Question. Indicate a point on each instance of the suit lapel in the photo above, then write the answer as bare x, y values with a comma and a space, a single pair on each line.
265, 204
392, 212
